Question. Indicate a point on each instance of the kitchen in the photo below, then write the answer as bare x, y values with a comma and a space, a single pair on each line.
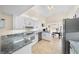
34, 29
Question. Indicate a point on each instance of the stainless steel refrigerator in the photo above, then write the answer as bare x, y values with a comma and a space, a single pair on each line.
71, 36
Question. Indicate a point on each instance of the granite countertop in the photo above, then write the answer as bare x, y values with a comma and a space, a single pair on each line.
9, 32
75, 46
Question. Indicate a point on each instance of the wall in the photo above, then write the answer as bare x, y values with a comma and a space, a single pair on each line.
8, 22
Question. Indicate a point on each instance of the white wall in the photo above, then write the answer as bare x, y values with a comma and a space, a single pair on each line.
8, 22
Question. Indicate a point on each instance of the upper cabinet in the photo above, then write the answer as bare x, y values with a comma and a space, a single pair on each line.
23, 22
18, 22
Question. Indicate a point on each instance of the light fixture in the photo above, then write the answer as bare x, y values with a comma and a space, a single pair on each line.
50, 7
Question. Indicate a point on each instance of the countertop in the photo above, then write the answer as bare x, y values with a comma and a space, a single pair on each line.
9, 32
75, 46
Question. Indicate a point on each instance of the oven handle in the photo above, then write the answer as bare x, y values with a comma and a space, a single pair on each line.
18, 41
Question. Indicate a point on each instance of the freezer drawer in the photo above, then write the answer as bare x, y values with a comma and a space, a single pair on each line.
72, 36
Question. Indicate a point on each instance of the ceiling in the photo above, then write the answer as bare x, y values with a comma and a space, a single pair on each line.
55, 13
43, 10
14, 9
45, 13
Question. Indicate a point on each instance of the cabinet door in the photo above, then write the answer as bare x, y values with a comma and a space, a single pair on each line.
25, 50
18, 23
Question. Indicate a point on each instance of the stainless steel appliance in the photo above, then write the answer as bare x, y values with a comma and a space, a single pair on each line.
70, 33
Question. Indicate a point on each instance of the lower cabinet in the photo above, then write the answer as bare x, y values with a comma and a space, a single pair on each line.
46, 36
25, 50
39, 36
17, 43
28, 48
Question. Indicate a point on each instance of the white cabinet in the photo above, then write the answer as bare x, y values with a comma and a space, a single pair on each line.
46, 36
18, 23
21, 22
